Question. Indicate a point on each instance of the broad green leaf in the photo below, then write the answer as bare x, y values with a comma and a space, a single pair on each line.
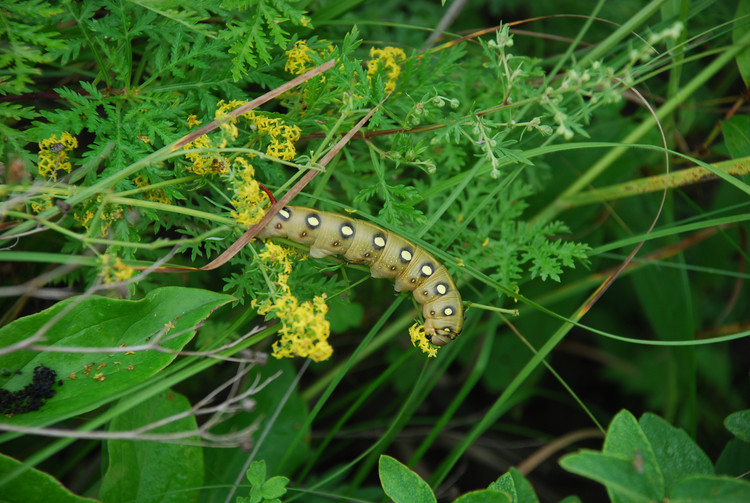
168, 315
514, 483
33, 485
739, 424
618, 475
699, 489
676, 453
626, 440
484, 496
401, 484
275, 487
154, 471
736, 132
734, 460
256, 473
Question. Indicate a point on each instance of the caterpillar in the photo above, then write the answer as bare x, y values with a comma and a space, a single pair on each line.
388, 255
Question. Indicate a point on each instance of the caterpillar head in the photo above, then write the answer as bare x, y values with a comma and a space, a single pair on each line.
439, 335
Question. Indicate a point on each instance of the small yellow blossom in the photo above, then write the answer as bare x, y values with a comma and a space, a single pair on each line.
298, 59
40, 206
53, 155
385, 60
108, 214
248, 196
156, 195
418, 338
304, 330
207, 162
114, 270
193, 121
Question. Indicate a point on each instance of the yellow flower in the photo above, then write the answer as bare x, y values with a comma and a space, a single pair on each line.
114, 271
205, 163
40, 206
385, 60
53, 155
156, 195
193, 121
107, 214
298, 58
248, 197
418, 338
304, 330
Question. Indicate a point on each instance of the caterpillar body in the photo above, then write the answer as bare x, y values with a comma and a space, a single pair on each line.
388, 255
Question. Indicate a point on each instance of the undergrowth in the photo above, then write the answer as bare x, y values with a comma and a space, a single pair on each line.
582, 177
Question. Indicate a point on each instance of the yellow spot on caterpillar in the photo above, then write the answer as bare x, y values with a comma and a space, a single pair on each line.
448, 311
406, 255
427, 270
441, 289
278, 226
346, 230
313, 221
284, 213
379, 241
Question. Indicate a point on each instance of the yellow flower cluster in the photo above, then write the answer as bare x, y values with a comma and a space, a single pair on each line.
418, 338
298, 59
304, 329
156, 195
53, 155
207, 162
281, 137
385, 60
248, 197
114, 271
40, 206
107, 215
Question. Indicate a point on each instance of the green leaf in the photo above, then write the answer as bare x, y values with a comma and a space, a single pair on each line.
739, 424
151, 471
627, 466
514, 483
256, 473
676, 453
32, 485
275, 487
626, 439
401, 484
484, 496
736, 132
707, 489
734, 460
617, 474
92, 379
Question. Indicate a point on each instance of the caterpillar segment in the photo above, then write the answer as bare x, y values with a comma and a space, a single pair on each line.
387, 254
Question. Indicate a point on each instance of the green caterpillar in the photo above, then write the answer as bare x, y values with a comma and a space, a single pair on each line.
388, 255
